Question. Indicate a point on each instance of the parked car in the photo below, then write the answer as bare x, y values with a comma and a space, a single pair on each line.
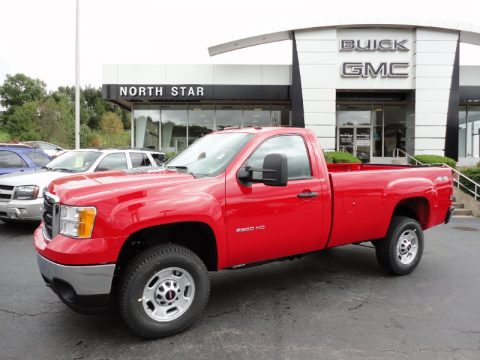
146, 240
51, 150
20, 158
21, 194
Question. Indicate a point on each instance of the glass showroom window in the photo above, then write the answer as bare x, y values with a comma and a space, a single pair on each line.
281, 115
147, 126
228, 115
256, 115
468, 133
201, 121
473, 116
174, 128
462, 131
394, 130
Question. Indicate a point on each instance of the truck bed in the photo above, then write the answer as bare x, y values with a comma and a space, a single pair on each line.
364, 199
364, 167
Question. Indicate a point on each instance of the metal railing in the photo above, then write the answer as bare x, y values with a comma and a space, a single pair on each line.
457, 176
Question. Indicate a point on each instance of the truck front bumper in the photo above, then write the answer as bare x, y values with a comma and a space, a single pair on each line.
83, 288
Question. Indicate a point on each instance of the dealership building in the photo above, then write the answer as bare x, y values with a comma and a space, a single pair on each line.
364, 88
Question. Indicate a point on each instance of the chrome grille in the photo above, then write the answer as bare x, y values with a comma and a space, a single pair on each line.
49, 215
6, 192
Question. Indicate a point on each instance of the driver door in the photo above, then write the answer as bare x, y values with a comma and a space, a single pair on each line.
268, 222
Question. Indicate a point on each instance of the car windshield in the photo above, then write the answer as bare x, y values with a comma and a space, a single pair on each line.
73, 161
210, 155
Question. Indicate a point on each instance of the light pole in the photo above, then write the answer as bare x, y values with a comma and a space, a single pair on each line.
77, 76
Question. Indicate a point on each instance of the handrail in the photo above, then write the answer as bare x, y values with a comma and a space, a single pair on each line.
457, 180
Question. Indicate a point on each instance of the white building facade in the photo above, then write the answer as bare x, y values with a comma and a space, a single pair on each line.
360, 88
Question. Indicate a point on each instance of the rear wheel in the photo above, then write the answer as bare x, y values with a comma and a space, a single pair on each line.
163, 291
401, 250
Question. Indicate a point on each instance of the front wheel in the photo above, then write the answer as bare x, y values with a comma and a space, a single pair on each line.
401, 250
163, 291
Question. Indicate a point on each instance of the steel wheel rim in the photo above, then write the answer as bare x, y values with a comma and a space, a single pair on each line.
168, 294
407, 247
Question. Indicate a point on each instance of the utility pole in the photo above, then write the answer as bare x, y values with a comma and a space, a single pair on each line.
77, 76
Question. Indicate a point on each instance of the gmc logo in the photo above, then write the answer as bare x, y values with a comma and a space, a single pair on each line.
367, 69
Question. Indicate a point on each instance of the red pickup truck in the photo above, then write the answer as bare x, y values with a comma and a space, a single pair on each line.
145, 240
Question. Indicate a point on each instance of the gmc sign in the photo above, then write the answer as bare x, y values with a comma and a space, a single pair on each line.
369, 69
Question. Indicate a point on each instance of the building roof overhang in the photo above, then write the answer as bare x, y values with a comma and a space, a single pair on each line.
469, 33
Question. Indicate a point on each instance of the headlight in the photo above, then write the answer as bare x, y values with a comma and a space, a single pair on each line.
77, 221
28, 192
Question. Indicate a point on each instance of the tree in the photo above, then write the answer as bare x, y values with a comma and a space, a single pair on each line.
22, 123
20, 89
111, 125
46, 120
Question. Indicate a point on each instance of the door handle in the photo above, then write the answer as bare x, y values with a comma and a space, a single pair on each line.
305, 195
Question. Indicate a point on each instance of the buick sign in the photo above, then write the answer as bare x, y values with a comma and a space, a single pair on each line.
368, 69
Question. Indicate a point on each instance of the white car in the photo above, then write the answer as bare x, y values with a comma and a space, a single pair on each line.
21, 195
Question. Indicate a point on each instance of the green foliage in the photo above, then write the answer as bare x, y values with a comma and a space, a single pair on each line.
93, 106
19, 89
170, 155
110, 123
436, 159
42, 120
337, 157
474, 174
33, 114
4, 136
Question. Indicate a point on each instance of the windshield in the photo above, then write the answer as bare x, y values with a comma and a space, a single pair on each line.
74, 161
211, 154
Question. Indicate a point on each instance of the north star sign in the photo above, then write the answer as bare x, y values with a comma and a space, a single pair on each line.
368, 69
158, 91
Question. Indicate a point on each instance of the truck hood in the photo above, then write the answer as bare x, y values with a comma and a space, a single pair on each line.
92, 188
41, 178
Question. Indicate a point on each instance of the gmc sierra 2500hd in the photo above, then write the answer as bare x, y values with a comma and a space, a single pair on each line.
146, 239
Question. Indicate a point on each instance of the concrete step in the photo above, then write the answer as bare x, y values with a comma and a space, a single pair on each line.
462, 212
458, 205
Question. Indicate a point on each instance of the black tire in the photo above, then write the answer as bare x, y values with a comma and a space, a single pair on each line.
387, 252
134, 280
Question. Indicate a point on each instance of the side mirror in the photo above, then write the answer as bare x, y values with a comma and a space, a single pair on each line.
274, 171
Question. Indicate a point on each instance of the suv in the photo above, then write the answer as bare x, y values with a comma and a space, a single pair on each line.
51, 150
21, 194
20, 158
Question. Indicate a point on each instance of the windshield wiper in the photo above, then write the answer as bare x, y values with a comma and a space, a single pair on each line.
62, 169
47, 168
182, 167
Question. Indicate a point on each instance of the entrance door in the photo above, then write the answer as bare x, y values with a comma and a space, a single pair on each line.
363, 141
357, 141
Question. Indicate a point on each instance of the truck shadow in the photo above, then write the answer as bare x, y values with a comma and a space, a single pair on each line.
18, 229
236, 292
341, 266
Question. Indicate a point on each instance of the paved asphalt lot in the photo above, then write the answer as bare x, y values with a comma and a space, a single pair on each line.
331, 305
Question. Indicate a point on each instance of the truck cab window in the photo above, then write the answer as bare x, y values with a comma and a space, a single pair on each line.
293, 146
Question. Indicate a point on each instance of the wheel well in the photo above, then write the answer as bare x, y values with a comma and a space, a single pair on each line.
195, 236
415, 208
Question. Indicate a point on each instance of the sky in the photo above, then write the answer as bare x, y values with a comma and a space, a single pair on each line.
38, 37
